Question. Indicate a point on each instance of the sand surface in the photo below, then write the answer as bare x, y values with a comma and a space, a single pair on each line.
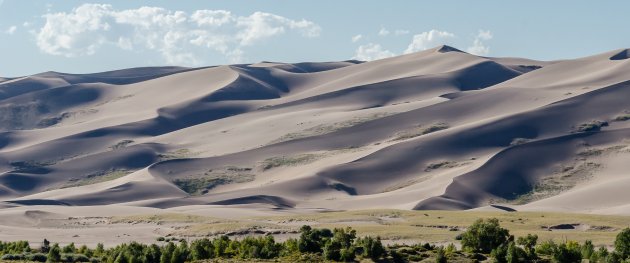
439, 129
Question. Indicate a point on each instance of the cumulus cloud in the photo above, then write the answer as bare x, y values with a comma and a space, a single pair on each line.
372, 51
356, 38
478, 47
383, 32
430, 39
180, 38
11, 30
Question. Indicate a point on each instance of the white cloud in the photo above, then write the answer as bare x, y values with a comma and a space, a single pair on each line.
478, 47
179, 37
356, 38
400, 32
372, 51
11, 30
430, 39
383, 32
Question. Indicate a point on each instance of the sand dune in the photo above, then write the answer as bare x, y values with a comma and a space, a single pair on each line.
437, 129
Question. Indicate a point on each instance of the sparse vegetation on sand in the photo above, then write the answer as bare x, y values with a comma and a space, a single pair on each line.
519, 141
299, 159
121, 144
443, 164
484, 239
622, 117
99, 177
197, 185
328, 128
302, 159
178, 154
591, 126
420, 130
569, 175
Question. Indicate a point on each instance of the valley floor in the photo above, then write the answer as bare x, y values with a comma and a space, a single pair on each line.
113, 225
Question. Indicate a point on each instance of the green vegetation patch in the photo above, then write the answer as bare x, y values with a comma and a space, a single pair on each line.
485, 240
443, 164
623, 117
198, 185
121, 144
30, 165
419, 131
295, 160
304, 158
591, 126
97, 178
569, 175
328, 128
519, 141
178, 154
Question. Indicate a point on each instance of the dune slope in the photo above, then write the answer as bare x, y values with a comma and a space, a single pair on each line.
437, 129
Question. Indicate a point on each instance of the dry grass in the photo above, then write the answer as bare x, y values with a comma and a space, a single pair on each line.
402, 226
328, 128
419, 131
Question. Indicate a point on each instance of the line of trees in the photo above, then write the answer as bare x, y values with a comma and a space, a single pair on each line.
482, 240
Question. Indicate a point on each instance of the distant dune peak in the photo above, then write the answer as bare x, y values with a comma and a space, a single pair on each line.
447, 48
624, 54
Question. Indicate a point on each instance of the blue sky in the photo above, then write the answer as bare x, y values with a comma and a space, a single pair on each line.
93, 36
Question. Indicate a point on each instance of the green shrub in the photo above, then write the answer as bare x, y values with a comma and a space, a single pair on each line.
13, 257
529, 244
546, 248
567, 253
591, 126
54, 255
622, 243
484, 235
440, 255
37, 257
515, 254
499, 254
341, 246
313, 240
370, 247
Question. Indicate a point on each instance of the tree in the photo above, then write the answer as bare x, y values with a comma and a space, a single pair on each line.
484, 235
622, 243
371, 248
515, 254
341, 245
100, 249
54, 254
567, 253
45, 246
313, 240
290, 247
587, 249
529, 244
614, 257
201, 249
152, 253
167, 253
70, 248
180, 254
499, 254
440, 255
